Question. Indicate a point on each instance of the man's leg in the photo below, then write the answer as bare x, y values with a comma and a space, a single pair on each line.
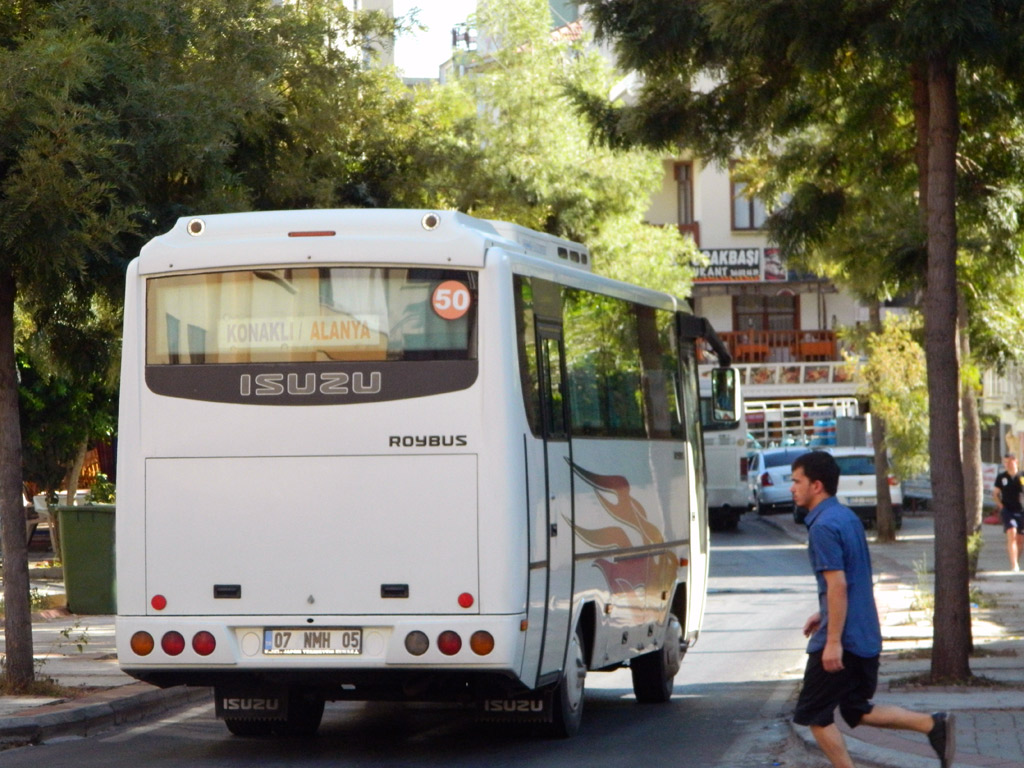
885, 716
1011, 547
831, 742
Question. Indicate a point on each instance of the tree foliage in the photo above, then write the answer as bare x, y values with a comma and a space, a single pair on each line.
726, 76
538, 166
893, 381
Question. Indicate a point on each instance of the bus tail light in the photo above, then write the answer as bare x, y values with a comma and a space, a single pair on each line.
142, 643
172, 643
481, 642
204, 643
449, 643
744, 467
416, 643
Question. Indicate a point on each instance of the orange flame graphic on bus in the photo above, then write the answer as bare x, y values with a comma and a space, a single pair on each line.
635, 573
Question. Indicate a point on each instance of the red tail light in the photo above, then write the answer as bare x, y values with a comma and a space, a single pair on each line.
203, 643
449, 643
766, 479
172, 643
744, 467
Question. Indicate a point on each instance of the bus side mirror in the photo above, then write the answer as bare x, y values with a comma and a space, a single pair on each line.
723, 395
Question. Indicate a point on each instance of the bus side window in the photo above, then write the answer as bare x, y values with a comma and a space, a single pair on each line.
526, 348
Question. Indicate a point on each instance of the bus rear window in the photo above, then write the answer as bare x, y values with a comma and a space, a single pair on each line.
350, 314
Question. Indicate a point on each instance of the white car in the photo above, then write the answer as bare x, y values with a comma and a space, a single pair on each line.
857, 486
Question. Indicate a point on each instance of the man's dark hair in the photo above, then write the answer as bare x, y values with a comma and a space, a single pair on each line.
820, 465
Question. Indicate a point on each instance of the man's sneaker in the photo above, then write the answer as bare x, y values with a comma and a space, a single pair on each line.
942, 737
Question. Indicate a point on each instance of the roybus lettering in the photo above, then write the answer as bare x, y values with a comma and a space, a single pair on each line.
427, 441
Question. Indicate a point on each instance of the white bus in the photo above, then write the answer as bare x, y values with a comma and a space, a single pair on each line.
726, 445
403, 455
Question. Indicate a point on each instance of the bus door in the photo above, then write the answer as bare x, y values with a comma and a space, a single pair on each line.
558, 497
697, 574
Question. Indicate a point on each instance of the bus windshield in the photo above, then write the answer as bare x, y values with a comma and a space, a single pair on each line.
349, 314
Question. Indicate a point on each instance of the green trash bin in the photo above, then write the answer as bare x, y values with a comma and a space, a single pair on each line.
87, 549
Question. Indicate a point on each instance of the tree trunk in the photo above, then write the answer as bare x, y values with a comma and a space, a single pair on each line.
885, 525
19, 670
75, 473
951, 642
974, 490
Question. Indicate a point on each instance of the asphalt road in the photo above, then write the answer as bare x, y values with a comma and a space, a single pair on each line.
728, 710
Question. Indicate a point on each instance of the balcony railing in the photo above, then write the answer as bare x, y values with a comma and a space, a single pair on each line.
781, 346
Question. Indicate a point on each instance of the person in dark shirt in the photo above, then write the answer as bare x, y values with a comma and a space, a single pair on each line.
845, 636
1007, 492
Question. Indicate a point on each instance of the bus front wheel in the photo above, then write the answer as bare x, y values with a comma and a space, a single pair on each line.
654, 673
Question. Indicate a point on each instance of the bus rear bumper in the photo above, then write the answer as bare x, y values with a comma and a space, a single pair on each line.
245, 645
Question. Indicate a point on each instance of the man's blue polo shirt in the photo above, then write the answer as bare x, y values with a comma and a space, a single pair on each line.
836, 542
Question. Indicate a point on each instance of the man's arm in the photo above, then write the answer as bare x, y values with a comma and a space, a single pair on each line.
998, 497
835, 595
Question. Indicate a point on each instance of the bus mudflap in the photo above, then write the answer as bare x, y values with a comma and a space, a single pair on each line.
533, 707
264, 703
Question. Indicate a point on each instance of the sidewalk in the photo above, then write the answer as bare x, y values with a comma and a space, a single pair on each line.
990, 719
79, 652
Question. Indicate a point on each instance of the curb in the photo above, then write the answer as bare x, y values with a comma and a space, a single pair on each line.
97, 712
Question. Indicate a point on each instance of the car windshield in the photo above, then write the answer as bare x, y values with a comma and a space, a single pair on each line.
855, 465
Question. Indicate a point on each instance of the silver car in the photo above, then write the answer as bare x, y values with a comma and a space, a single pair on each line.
769, 475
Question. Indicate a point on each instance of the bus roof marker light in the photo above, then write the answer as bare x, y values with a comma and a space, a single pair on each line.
430, 221
466, 600
159, 602
196, 227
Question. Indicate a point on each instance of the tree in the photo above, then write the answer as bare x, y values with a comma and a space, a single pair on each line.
116, 119
537, 165
761, 55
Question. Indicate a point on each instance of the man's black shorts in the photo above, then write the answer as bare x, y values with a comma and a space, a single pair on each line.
850, 689
1012, 519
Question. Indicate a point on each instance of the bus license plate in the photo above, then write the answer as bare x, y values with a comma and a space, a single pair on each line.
300, 641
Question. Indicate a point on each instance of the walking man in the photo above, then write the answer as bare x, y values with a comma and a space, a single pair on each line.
1007, 493
845, 636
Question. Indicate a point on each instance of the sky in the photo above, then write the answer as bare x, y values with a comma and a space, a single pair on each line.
420, 56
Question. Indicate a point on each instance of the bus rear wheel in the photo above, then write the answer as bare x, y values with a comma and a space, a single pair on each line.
249, 728
305, 711
654, 673
568, 697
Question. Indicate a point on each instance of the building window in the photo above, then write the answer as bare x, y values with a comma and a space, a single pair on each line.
754, 312
748, 212
684, 193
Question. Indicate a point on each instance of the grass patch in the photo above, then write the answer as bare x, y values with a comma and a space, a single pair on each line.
980, 652
39, 602
924, 680
980, 599
924, 597
44, 687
